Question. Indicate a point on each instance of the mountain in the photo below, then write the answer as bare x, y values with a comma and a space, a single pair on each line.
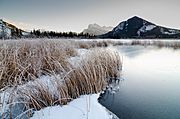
8, 30
137, 27
95, 29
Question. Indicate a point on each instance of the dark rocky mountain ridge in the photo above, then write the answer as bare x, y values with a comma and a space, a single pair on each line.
137, 27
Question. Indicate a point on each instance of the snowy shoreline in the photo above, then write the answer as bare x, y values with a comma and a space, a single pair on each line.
85, 107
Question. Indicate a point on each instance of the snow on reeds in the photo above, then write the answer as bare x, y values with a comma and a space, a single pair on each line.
21, 61
46, 76
90, 76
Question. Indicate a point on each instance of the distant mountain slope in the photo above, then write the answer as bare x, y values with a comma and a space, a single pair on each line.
136, 27
95, 29
8, 30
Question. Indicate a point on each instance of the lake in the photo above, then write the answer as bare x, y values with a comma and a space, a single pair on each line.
150, 85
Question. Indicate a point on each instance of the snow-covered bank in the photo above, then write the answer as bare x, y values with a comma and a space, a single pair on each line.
60, 81
85, 107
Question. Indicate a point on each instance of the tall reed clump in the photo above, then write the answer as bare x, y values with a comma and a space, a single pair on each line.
94, 72
21, 61
91, 75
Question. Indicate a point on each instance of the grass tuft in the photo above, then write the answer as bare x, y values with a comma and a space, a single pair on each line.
21, 61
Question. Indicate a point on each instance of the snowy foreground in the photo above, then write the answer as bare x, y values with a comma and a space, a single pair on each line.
85, 107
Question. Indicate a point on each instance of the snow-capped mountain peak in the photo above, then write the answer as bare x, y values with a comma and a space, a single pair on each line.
95, 29
137, 27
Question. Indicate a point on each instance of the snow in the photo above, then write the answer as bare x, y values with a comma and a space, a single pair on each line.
25, 33
7, 30
127, 24
120, 26
77, 59
85, 107
139, 33
169, 32
1, 21
150, 27
146, 28
173, 31
4, 96
47, 82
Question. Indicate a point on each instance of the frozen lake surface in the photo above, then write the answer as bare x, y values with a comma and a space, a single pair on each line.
151, 85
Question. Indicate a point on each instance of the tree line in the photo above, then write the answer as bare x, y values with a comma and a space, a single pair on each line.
53, 34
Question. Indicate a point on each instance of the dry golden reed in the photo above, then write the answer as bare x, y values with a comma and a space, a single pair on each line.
90, 76
21, 61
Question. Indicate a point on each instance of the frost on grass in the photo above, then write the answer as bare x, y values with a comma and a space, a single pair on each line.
22, 60
90, 75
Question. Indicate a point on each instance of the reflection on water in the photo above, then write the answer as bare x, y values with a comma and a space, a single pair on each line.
151, 89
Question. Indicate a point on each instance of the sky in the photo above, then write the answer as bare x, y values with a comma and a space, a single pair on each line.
76, 15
